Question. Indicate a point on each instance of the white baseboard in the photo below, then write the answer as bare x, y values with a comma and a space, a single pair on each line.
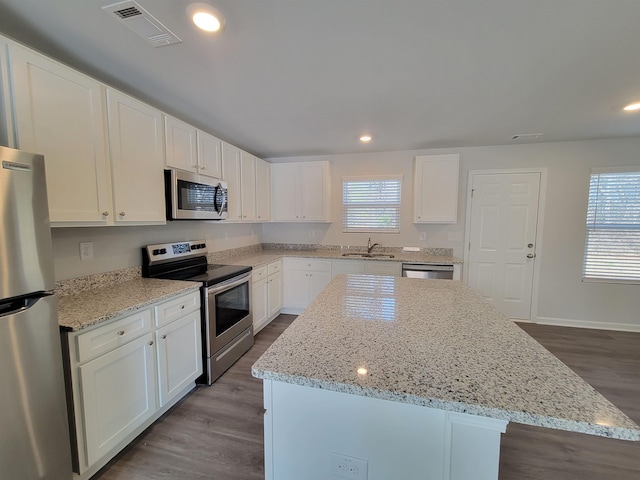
565, 322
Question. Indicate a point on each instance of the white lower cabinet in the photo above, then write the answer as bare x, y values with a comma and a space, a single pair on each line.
127, 372
118, 395
177, 364
267, 294
303, 280
366, 267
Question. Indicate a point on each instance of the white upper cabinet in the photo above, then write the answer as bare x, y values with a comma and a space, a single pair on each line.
263, 191
248, 186
137, 159
190, 149
300, 192
436, 188
244, 174
59, 112
209, 155
181, 144
231, 174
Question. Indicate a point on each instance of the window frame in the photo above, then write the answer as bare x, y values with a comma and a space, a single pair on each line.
397, 206
591, 228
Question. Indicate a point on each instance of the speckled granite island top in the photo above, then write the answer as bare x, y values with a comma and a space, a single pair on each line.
79, 311
438, 344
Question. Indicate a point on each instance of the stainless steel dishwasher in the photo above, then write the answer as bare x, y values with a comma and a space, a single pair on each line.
427, 270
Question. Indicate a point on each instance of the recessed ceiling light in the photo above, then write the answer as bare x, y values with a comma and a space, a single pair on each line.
365, 138
632, 107
205, 17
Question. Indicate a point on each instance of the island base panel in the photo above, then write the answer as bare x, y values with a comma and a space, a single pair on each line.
304, 426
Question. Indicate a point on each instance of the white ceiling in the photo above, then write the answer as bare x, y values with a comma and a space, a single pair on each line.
306, 77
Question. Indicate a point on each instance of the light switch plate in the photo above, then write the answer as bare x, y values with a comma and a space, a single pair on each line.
86, 250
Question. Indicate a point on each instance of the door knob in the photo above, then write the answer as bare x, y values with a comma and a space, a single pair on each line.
530, 245
531, 255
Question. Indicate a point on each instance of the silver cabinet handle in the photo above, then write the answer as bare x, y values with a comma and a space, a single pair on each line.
181, 307
120, 332
150, 343
105, 214
531, 255
122, 214
163, 336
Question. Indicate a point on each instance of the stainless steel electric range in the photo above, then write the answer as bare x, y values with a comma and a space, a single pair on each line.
227, 321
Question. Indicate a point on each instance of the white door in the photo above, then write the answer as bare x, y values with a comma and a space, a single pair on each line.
502, 236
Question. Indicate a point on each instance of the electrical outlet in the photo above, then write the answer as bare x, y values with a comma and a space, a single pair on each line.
86, 250
312, 233
350, 468
454, 236
423, 236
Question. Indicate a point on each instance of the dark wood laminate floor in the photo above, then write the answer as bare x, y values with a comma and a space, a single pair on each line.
215, 433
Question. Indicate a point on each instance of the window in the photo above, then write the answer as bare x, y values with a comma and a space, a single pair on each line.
371, 204
612, 252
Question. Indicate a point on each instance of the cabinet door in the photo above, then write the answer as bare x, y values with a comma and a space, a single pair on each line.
373, 267
314, 191
274, 292
179, 355
317, 282
436, 188
231, 174
296, 288
260, 307
209, 155
346, 266
118, 395
137, 159
263, 191
284, 192
59, 113
180, 144
248, 186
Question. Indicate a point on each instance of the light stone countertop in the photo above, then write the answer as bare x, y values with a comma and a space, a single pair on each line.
259, 259
438, 344
82, 310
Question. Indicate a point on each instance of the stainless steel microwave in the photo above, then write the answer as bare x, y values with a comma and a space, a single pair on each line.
194, 197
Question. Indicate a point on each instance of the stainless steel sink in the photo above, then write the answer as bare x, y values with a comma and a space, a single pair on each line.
368, 255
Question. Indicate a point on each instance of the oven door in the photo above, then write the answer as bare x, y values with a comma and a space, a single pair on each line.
193, 197
228, 312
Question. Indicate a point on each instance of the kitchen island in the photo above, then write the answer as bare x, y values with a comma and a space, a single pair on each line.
385, 377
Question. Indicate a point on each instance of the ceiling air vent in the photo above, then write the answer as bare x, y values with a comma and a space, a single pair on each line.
138, 20
526, 136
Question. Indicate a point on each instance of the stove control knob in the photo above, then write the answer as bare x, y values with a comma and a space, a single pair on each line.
163, 251
156, 251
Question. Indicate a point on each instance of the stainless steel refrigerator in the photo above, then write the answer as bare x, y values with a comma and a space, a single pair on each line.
34, 432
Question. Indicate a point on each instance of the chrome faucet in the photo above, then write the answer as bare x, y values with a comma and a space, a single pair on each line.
371, 247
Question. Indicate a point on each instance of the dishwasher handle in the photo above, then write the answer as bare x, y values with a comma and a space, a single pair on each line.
427, 267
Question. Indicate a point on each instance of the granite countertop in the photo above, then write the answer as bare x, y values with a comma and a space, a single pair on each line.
82, 310
437, 344
266, 256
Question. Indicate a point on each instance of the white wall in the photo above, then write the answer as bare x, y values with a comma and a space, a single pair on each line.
563, 298
116, 248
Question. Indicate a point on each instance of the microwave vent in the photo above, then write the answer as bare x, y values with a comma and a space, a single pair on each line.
141, 22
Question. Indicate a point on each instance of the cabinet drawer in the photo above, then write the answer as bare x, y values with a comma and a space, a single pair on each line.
105, 338
259, 273
172, 310
309, 264
274, 267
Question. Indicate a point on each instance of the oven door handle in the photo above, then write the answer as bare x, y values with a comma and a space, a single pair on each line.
229, 284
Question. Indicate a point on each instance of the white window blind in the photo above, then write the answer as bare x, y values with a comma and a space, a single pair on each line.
612, 251
371, 204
